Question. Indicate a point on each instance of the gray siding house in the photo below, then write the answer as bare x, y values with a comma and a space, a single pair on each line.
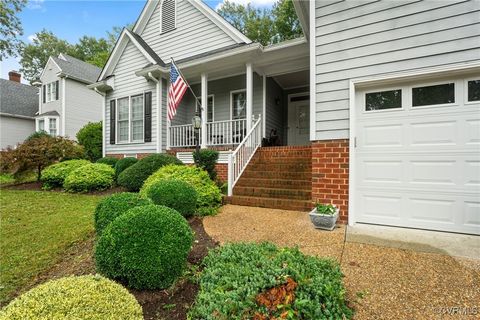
65, 103
376, 109
18, 107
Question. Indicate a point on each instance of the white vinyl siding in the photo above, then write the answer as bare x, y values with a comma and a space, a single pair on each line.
14, 130
368, 38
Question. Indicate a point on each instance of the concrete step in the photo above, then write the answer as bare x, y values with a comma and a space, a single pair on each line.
285, 204
275, 183
273, 193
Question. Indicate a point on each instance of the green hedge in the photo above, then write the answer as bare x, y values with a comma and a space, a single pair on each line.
146, 248
111, 207
54, 175
123, 164
90, 137
90, 177
133, 177
207, 159
174, 194
236, 273
209, 196
83, 297
111, 161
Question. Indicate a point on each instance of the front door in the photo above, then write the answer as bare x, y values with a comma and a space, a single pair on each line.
299, 120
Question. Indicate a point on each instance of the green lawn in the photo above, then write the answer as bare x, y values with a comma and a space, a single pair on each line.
35, 229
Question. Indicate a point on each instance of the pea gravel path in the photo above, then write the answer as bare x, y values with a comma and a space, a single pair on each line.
381, 282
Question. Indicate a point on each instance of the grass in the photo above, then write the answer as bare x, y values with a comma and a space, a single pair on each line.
6, 178
36, 227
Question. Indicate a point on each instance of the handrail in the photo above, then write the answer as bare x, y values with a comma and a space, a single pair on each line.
239, 159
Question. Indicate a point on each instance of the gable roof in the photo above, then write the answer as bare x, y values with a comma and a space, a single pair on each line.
18, 99
223, 24
77, 69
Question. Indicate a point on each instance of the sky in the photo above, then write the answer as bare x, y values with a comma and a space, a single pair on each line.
72, 19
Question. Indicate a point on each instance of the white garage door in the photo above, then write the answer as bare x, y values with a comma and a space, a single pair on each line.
417, 156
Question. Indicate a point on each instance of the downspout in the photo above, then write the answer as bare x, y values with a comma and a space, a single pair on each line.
158, 84
104, 95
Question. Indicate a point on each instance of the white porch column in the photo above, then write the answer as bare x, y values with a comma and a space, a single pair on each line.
204, 109
264, 106
168, 120
249, 111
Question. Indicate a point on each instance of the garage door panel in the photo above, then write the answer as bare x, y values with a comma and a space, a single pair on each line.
472, 173
472, 214
472, 130
381, 207
389, 135
387, 171
433, 133
429, 209
434, 172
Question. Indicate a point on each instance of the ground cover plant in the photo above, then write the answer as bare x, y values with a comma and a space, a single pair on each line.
111, 207
54, 175
145, 248
134, 176
90, 177
174, 194
261, 281
209, 195
32, 243
83, 297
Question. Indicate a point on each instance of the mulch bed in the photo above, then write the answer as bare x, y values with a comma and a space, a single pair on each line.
172, 303
37, 186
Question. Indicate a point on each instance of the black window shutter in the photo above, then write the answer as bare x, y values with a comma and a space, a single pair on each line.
112, 121
148, 117
56, 90
44, 93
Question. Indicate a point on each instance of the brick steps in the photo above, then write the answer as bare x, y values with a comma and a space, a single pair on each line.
278, 177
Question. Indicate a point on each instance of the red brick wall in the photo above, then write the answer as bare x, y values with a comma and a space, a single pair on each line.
120, 156
330, 161
222, 171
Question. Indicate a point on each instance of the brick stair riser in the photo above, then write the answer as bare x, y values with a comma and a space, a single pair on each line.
276, 175
273, 193
275, 183
271, 203
294, 167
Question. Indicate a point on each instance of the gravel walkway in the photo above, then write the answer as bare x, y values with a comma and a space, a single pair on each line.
382, 283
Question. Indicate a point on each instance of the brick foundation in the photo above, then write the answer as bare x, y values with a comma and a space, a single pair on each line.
222, 171
330, 162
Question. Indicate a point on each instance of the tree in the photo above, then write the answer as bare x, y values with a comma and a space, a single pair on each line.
92, 50
90, 137
263, 25
10, 27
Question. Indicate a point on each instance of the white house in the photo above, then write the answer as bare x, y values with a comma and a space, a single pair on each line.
65, 103
377, 108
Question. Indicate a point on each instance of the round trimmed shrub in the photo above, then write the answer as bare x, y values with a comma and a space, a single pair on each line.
111, 161
123, 164
209, 196
90, 177
83, 297
175, 194
146, 248
133, 177
111, 207
54, 175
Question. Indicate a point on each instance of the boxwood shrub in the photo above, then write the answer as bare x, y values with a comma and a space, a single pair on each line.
54, 175
145, 248
209, 196
111, 161
236, 274
83, 297
175, 194
111, 207
123, 164
207, 159
133, 177
90, 177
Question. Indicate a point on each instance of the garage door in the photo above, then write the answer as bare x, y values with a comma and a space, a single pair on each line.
417, 155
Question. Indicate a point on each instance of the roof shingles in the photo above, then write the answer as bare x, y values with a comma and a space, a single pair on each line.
18, 99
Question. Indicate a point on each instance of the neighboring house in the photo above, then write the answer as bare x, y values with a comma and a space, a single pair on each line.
66, 104
377, 108
18, 107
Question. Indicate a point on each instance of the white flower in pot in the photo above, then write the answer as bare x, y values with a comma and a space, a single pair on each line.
324, 216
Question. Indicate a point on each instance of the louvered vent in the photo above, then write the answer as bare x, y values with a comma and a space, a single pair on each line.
168, 15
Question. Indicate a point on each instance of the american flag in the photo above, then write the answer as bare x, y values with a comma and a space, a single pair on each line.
178, 86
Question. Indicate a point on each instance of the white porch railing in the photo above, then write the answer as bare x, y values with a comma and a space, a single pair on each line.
219, 133
242, 155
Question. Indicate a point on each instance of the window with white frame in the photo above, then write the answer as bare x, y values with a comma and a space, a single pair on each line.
210, 108
53, 127
473, 90
48, 124
168, 16
130, 119
51, 91
239, 105
41, 125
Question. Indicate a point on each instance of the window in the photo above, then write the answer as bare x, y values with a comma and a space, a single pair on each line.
130, 119
383, 100
168, 16
51, 91
53, 127
239, 105
41, 125
432, 95
473, 90
209, 108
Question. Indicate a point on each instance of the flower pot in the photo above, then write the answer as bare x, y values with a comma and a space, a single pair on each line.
323, 221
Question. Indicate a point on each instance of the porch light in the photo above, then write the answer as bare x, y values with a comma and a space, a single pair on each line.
197, 122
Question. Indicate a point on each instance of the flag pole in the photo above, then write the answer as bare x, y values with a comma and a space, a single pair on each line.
188, 85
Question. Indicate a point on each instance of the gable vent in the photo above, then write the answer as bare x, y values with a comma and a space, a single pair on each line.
168, 15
